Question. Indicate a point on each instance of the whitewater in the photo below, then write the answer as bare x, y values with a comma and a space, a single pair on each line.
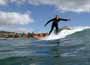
65, 32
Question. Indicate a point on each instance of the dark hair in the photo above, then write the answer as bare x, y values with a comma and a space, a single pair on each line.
56, 15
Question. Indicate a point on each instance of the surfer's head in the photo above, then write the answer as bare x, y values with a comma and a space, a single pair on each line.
57, 17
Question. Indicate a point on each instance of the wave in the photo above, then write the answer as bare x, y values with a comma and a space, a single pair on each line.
65, 32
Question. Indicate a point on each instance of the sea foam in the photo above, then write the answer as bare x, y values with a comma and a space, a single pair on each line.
65, 32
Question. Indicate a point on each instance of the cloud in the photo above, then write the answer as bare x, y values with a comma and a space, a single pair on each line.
64, 5
3, 2
12, 18
74, 5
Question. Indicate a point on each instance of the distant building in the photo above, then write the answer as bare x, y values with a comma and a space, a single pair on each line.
6, 34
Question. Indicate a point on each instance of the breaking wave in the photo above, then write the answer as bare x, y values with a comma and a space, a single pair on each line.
65, 32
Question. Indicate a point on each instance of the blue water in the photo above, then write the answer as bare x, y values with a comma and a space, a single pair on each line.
72, 50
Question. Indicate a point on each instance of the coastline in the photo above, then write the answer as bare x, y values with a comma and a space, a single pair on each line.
5, 35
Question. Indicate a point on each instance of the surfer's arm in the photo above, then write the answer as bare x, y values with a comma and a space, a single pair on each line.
49, 22
64, 19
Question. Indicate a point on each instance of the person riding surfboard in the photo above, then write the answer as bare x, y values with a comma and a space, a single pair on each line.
55, 22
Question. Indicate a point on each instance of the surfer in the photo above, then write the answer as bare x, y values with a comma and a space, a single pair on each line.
55, 21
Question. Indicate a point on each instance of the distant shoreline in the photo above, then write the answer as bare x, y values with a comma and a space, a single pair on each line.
14, 35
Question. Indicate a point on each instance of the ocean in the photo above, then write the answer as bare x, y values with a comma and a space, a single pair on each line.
70, 48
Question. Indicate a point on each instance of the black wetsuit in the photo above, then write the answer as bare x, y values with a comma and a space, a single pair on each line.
55, 24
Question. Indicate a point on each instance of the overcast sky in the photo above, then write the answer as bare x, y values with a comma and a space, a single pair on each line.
31, 15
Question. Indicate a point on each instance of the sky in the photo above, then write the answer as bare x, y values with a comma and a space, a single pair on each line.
31, 15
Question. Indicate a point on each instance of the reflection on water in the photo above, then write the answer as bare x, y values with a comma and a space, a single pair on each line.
34, 53
28, 52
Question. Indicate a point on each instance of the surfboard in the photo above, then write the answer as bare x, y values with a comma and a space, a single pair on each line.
56, 33
63, 28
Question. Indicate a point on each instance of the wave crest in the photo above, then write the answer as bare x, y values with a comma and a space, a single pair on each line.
65, 33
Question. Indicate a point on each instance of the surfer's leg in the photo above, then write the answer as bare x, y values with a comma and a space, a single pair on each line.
51, 29
57, 29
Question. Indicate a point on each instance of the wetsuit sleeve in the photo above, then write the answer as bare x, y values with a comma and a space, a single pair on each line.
64, 19
49, 22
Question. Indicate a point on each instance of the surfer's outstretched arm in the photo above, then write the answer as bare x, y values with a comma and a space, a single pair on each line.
64, 19
49, 22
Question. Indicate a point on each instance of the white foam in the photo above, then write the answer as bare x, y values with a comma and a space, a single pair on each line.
65, 33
